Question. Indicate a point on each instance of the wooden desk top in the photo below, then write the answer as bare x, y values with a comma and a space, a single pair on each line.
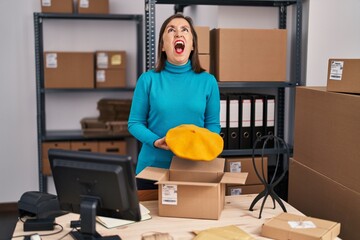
235, 213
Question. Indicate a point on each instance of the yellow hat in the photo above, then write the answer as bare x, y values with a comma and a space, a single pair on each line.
194, 143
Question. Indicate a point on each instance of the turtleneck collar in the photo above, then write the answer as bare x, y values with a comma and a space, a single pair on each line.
176, 68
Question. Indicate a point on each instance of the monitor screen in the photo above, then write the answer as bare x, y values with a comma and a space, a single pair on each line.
90, 184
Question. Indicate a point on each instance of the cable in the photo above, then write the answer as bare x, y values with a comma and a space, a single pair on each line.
42, 235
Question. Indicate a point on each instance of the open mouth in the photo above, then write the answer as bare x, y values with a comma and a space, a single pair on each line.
179, 46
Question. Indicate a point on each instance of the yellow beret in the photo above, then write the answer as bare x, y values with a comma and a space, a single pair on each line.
194, 143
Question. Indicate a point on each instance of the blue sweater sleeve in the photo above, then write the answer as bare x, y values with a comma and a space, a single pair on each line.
212, 112
137, 123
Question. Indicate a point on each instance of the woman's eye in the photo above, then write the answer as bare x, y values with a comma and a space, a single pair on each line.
185, 30
170, 30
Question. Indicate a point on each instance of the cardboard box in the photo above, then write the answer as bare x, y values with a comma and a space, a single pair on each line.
93, 6
245, 164
205, 61
46, 170
317, 195
248, 54
203, 34
69, 69
110, 78
232, 190
326, 134
87, 146
111, 59
57, 6
192, 189
295, 227
118, 147
344, 75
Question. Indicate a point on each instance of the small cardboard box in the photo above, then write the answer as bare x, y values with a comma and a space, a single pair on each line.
93, 6
295, 227
46, 170
344, 75
86, 146
57, 6
110, 78
69, 69
232, 190
192, 189
205, 61
203, 34
110, 59
250, 55
118, 147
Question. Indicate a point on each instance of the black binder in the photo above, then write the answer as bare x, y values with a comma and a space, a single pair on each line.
257, 116
233, 121
245, 121
269, 118
223, 119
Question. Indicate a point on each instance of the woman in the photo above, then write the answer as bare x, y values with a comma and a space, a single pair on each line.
178, 91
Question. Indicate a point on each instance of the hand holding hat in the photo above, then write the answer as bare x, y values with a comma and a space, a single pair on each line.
194, 143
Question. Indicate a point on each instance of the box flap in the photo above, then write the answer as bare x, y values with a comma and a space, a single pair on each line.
216, 165
235, 178
153, 173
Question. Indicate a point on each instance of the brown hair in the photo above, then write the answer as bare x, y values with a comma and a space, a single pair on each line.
194, 55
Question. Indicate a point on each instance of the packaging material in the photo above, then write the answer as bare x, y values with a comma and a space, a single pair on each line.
205, 61
344, 75
326, 134
69, 69
93, 6
232, 190
110, 78
317, 195
192, 189
248, 54
114, 109
296, 227
203, 34
245, 164
118, 147
87, 146
110, 59
46, 170
57, 6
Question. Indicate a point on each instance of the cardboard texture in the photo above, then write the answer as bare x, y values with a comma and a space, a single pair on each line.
326, 134
88, 146
344, 75
205, 61
57, 6
69, 69
110, 59
46, 170
245, 164
232, 190
110, 78
317, 195
248, 54
192, 189
118, 147
93, 6
203, 34
284, 227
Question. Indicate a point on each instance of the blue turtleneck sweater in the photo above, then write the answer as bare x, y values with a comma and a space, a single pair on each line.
163, 100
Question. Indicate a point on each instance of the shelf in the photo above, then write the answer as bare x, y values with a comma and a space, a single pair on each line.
234, 85
95, 90
68, 135
129, 17
249, 152
229, 2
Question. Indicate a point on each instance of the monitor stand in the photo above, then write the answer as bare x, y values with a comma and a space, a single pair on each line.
87, 229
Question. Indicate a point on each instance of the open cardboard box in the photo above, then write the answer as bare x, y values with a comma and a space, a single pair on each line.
192, 189
291, 226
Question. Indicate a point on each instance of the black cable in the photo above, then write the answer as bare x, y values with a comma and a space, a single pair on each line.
43, 235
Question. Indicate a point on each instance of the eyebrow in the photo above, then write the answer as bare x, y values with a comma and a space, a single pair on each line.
173, 26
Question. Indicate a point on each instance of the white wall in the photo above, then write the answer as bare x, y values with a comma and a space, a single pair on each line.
333, 32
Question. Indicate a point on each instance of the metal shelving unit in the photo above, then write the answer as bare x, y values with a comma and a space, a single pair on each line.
150, 7
43, 134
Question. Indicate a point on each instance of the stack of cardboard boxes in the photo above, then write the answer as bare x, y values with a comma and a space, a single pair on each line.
78, 6
324, 179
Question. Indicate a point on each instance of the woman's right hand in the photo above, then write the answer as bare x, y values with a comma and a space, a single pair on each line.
161, 143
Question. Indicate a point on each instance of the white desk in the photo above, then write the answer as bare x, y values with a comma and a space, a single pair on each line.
235, 213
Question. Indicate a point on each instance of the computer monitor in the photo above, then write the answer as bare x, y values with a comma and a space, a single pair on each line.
94, 184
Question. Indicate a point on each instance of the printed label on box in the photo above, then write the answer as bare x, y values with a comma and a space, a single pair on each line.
46, 3
235, 167
336, 70
51, 60
116, 60
84, 3
169, 194
100, 76
102, 60
235, 191
301, 224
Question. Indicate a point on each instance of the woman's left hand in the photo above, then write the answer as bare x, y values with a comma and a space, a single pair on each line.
161, 143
